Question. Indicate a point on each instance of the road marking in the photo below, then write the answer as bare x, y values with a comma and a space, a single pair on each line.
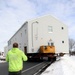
31, 68
40, 69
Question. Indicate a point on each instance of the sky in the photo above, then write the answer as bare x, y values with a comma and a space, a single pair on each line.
13, 13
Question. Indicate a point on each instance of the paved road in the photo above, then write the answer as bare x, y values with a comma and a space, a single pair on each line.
4, 67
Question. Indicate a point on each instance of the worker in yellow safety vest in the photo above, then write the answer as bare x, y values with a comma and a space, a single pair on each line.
15, 58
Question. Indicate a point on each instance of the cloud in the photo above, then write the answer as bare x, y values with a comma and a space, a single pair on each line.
13, 13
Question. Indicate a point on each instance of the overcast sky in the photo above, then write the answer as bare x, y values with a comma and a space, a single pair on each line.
13, 13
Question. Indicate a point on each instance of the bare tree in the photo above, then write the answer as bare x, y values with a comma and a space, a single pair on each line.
0, 53
71, 46
71, 43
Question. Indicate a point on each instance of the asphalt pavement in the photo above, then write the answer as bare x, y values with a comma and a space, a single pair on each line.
27, 65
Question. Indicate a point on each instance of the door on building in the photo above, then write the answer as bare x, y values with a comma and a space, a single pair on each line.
25, 49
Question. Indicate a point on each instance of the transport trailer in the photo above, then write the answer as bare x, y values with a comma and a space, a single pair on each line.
42, 37
44, 51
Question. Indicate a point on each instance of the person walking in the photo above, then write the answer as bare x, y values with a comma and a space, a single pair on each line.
15, 58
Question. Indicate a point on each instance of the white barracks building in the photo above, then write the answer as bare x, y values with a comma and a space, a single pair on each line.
41, 31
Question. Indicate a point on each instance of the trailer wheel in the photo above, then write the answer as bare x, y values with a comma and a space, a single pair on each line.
49, 59
54, 59
41, 58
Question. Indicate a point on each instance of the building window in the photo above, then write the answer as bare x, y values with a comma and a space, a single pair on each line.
19, 43
50, 29
21, 34
25, 31
52, 44
62, 28
62, 41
